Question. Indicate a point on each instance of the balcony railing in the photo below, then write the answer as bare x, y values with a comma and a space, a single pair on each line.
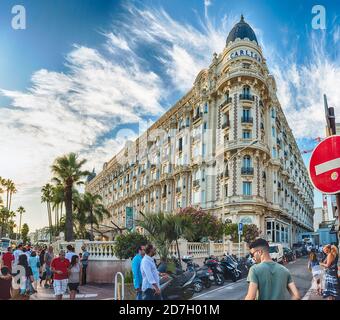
247, 97
246, 170
225, 102
246, 119
197, 117
196, 183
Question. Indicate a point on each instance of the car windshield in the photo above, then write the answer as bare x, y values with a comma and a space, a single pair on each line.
273, 249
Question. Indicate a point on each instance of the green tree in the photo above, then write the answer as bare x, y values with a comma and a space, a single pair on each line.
204, 224
68, 172
231, 229
20, 210
24, 232
47, 196
250, 232
126, 244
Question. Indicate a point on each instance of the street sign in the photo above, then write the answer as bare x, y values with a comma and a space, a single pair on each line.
324, 166
129, 218
240, 228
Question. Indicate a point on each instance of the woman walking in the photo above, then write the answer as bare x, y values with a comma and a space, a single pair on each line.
74, 279
25, 280
34, 263
315, 268
331, 272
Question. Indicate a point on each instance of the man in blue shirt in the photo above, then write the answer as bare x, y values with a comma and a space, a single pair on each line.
137, 274
150, 285
84, 262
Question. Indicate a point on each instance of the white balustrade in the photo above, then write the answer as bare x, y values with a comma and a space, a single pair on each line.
101, 250
218, 249
198, 249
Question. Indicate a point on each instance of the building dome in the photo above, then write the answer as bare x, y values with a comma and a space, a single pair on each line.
241, 30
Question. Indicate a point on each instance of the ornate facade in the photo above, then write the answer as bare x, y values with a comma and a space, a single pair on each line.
225, 146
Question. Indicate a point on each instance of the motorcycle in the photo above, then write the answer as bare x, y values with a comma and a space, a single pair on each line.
178, 287
214, 265
204, 274
230, 268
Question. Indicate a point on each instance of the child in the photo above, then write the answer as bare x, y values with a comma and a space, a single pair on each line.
5, 284
315, 268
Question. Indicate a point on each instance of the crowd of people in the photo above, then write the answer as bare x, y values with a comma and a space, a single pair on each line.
26, 266
267, 279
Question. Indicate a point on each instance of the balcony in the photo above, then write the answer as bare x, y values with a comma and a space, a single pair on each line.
225, 103
247, 97
178, 189
197, 117
226, 125
247, 171
246, 120
196, 183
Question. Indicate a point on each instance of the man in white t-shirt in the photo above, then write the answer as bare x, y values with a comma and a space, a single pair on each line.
17, 253
70, 253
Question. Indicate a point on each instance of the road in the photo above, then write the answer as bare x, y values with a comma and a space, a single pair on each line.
238, 290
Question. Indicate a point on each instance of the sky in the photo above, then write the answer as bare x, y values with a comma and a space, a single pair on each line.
85, 75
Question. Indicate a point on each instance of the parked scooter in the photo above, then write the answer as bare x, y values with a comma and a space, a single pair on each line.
213, 263
230, 268
204, 274
178, 287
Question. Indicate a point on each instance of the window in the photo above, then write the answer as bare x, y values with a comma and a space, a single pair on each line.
273, 131
188, 122
246, 65
274, 153
197, 111
203, 149
247, 162
273, 113
180, 144
203, 200
226, 190
206, 108
246, 188
246, 114
246, 134
246, 91
205, 126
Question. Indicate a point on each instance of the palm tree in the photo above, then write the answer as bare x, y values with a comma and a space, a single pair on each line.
47, 197
20, 210
163, 229
12, 190
58, 197
67, 170
89, 210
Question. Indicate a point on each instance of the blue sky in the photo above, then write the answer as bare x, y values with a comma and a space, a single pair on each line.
84, 73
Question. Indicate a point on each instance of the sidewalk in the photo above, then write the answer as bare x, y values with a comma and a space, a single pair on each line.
90, 291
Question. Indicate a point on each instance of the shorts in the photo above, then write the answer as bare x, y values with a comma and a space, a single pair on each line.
60, 286
73, 286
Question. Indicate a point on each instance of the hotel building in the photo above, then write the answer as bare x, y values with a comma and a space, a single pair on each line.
225, 146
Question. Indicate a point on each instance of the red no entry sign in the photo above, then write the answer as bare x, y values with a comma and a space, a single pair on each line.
324, 166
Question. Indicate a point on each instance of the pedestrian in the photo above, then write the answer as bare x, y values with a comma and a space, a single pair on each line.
74, 272
70, 252
17, 253
268, 280
8, 259
59, 267
34, 263
49, 255
315, 268
331, 272
5, 284
84, 262
150, 285
26, 278
136, 271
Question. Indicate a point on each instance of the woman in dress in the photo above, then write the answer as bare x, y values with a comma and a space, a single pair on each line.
314, 267
34, 263
331, 272
74, 272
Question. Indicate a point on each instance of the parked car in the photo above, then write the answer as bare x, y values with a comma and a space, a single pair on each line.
299, 249
276, 252
288, 254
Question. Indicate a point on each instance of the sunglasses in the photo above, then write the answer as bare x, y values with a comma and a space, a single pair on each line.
253, 253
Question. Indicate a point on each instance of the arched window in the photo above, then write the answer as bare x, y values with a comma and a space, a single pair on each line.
247, 161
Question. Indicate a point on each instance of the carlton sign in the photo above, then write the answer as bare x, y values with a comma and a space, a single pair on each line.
324, 166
